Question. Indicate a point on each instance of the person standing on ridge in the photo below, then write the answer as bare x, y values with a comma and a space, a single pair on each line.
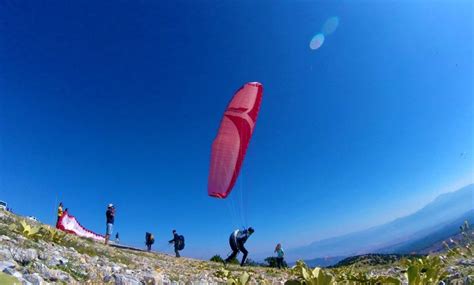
60, 213
280, 255
117, 238
149, 240
178, 241
236, 241
110, 219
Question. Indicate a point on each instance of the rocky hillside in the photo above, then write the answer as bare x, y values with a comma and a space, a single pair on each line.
38, 254
32, 253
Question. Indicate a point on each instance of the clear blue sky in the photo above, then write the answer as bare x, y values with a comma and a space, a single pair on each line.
119, 101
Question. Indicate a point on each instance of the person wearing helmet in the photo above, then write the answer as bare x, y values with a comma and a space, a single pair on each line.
110, 219
237, 240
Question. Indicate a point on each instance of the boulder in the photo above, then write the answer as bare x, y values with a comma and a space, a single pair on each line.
12, 272
116, 268
7, 264
58, 275
56, 260
466, 262
151, 279
469, 279
34, 279
4, 238
25, 256
51, 274
5, 253
121, 279
107, 278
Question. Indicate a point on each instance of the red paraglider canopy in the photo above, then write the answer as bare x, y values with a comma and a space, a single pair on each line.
231, 142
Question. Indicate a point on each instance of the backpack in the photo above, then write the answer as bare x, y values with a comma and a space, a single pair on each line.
152, 239
180, 243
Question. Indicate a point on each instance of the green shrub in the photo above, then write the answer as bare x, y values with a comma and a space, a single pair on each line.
242, 279
424, 271
272, 262
217, 258
305, 275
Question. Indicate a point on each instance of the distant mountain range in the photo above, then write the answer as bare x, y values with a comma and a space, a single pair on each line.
437, 220
433, 241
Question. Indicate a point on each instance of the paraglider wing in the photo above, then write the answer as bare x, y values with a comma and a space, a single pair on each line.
69, 224
231, 142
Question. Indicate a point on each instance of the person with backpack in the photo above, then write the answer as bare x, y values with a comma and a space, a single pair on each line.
279, 256
178, 241
149, 240
237, 240
110, 219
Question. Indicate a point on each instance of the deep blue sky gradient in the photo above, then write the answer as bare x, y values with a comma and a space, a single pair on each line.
119, 101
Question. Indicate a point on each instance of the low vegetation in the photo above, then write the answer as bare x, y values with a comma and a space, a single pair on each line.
374, 259
7, 279
416, 270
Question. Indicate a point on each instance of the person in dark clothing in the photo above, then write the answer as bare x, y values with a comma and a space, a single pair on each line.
117, 238
237, 240
176, 241
110, 217
149, 240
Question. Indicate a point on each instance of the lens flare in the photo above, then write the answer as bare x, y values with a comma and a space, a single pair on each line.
330, 25
316, 42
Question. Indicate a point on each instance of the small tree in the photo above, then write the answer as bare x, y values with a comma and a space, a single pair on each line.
234, 261
251, 262
217, 258
272, 262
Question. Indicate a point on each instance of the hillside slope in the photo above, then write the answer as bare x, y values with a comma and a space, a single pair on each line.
32, 253
54, 257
